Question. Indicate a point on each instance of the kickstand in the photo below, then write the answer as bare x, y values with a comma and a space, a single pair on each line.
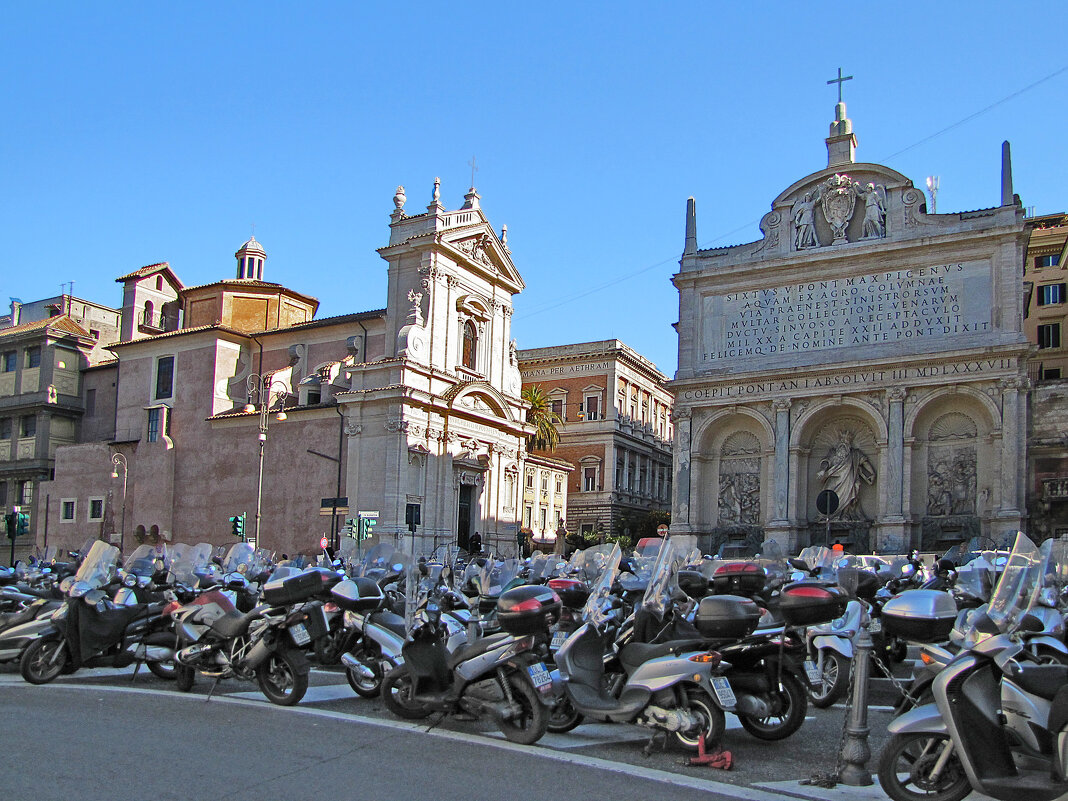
214, 684
137, 668
438, 722
716, 758
649, 746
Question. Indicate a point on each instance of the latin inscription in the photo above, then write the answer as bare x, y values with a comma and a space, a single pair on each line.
890, 307
567, 369
863, 378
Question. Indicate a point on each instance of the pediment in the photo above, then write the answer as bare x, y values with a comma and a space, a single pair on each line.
480, 398
480, 249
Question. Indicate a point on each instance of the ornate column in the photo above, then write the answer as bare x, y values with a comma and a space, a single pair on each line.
1012, 451
782, 460
680, 489
895, 480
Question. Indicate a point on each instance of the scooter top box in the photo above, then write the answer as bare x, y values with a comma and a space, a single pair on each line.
292, 590
573, 593
738, 578
726, 616
359, 594
528, 609
920, 615
805, 603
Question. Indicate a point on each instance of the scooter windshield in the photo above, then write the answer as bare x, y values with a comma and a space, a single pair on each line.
592, 561
1019, 584
599, 603
186, 560
658, 592
142, 561
240, 554
98, 567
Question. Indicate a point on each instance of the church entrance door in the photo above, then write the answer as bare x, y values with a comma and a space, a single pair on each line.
463, 515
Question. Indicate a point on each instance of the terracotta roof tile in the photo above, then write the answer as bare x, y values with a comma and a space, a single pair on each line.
180, 332
62, 322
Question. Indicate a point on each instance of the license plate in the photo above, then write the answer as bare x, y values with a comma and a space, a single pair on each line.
299, 633
723, 691
875, 626
558, 640
540, 678
812, 672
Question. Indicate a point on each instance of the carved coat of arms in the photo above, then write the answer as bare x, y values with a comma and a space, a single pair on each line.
839, 196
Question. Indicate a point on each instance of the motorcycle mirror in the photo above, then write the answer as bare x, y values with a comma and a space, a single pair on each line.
94, 597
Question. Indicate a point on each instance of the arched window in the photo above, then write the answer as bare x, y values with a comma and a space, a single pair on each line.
470, 345
159, 282
148, 313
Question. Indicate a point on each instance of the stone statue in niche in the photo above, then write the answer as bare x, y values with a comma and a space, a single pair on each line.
874, 198
805, 222
842, 470
739, 498
951, 482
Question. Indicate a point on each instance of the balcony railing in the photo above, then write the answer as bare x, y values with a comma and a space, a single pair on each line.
1055, 489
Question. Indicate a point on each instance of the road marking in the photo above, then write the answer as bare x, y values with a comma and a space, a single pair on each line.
565, 757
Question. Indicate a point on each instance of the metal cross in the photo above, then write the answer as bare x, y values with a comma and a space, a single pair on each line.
474, 169
840, 80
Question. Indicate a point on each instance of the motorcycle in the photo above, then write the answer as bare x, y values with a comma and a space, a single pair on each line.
999, 721
668, 687
501, 676
91, 630
264, 645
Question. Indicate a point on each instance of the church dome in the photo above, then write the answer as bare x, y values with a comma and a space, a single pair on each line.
252, 246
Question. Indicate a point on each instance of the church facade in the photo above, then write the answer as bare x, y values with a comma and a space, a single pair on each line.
858, 374
230, 398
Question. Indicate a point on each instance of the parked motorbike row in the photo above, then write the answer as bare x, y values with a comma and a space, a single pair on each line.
664, 639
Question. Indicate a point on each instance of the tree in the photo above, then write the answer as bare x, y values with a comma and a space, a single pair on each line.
541, 414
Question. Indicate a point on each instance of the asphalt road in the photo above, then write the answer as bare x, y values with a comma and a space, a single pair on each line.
100, 734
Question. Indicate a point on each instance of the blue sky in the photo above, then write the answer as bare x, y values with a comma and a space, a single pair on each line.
137, 133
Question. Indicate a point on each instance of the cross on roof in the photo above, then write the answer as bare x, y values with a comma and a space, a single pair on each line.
840, 80
474, 169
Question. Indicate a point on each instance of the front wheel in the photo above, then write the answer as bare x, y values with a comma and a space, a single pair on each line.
365, 686
563, 717
283, 677
531, 720
700, 705
164, 669
906, 764
43, 661
834, 680
792, 704
398, 694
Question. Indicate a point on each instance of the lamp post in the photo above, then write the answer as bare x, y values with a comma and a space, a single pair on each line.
118, 460
266, 391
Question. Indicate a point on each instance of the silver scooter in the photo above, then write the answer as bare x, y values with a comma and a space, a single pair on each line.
999, 724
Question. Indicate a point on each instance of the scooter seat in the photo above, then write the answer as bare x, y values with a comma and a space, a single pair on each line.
388, 620
471, 650
637, 653
1041, 680
233, 623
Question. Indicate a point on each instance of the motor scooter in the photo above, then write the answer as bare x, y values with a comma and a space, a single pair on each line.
999, 721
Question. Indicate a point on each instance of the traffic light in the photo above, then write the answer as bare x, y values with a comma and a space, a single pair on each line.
22, 524
237, 526
368, 526
11, 523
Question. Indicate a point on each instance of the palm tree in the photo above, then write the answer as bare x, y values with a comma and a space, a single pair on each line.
541, 414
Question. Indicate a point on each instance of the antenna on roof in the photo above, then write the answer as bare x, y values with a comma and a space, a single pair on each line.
932, 191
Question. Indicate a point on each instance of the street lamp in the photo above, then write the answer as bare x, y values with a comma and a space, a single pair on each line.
266, 391
118, 460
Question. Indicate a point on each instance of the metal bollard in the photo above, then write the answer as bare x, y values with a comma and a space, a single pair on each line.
855, 751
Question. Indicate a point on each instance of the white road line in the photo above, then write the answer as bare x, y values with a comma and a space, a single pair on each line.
623, 768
